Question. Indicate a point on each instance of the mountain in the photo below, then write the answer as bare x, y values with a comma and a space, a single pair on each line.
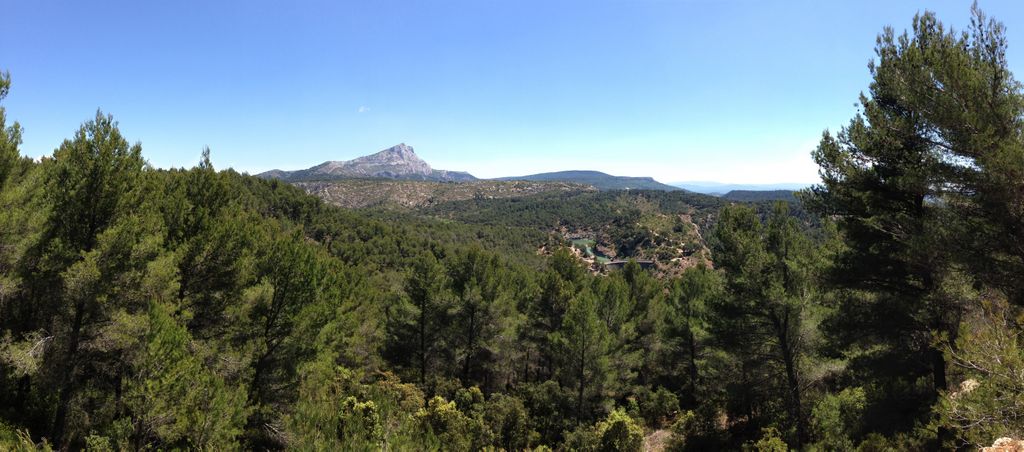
598, 180
719, 188
396, 162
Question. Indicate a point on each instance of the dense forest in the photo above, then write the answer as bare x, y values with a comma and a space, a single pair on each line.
145, 308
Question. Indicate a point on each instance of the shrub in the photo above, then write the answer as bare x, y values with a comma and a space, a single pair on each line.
836, 419
771, 441
620, 432
508, 420
659, 407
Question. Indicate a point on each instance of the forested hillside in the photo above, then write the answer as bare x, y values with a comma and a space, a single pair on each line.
144, 308
760, 195
411, 194
664, 227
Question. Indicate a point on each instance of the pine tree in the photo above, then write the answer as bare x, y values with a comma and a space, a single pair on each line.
22, 214
479, 286
763, 318
911, 185
291, 279
10, 136
559, 283
93, 187
685, 329
583, 346
418, 325
173, 400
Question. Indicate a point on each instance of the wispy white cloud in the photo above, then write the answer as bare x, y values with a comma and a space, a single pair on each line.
363, 109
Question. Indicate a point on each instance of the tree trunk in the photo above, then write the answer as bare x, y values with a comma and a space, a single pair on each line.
796, 405
792, 379
423, 344
526, 367
942, 435
582, 376
470, 347
694, 375
67, 386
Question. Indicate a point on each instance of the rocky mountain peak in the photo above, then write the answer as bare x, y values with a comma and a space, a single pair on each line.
396, 162
401, 150
400, 154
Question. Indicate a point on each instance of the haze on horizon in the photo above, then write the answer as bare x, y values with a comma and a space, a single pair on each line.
735, 91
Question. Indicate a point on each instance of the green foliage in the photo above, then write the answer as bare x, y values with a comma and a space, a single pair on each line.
696, 431
635, 223
15, 440
918, 186
657, 407
760, 195
453, 429
93, 181
174, 399
619, 432
989, 402
328, 415
551, 408
288, 316
418, 325
583, 438
771, 441
10, 136
204, 309
685, 331
583, 345
768, 268
837, 418
510, 422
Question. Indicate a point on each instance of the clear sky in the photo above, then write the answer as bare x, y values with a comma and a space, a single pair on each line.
729, 90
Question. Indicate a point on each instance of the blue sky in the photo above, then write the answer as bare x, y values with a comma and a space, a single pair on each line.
731, 90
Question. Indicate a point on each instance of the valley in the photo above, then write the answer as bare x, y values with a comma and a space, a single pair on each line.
658, 226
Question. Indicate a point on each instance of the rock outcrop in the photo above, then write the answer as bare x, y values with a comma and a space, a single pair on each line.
1005, 445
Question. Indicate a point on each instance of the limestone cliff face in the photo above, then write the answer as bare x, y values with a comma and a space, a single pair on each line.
396, 162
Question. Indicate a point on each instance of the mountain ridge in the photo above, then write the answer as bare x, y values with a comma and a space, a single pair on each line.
721, 188
396, 162
400, 162
597, 179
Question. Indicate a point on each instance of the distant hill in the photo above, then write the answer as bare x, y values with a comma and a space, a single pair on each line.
597, 179
362, 193
760, 195
719, 188
396, 162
